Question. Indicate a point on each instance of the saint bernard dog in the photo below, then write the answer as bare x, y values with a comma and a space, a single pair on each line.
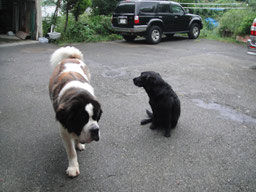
76, 107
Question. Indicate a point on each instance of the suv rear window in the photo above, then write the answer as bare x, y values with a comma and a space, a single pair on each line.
125, 8
147, 7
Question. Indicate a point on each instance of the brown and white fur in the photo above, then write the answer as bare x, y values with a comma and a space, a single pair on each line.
76, 107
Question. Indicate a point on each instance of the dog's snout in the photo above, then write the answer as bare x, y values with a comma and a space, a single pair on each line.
95, 133
136, 81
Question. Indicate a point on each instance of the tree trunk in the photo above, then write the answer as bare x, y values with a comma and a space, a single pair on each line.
66, 23
54, 17
76, 11
76, 18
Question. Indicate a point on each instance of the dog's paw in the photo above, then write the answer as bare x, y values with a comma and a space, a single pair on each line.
73, 171
167, 134
80, 147
152, 127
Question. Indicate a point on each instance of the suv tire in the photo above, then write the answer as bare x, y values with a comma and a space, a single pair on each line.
129, 38
154, 34
194, 31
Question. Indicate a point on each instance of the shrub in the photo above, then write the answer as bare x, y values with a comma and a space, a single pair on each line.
78, 32
100, 24
103, 7
230, 22
236, 22
245, 26
86, 29
46, 26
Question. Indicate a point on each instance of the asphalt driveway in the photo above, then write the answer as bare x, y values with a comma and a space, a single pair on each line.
212, 149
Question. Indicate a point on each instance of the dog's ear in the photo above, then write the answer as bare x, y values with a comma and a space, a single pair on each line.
66, 112
97, 111
99, 116
62, 114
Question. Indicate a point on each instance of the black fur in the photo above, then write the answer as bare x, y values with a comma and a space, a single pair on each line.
71, 111
164, 102
149, 120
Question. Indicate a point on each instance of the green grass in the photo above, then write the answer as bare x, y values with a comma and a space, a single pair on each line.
214, 35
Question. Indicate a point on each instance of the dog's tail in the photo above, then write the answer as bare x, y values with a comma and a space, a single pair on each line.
149, 120
64, 53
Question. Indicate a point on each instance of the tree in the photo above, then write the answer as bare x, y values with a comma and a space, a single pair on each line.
54, 17
79, 7
104, 7
67, 6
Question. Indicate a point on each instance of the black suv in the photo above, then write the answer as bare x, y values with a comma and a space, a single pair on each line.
152, 18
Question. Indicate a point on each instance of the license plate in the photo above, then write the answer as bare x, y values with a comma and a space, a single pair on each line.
122, 21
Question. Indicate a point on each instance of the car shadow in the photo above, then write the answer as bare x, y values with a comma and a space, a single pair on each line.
142, 40
174, 38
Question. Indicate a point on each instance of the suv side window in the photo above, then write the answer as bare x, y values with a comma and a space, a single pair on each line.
176, 9
163, 8
147, 7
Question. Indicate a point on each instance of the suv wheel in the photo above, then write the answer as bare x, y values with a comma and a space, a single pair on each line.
194, 31
154, 34
129, 38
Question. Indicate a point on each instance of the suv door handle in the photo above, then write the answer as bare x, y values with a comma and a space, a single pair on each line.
175, 17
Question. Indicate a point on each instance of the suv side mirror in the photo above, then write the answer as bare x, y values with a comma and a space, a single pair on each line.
186, 10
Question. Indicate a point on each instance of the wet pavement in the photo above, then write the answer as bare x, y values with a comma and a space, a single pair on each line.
213, 147
226, 112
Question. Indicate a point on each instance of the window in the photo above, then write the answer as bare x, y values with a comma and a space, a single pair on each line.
147, 7
176, 9
163, 8
125, 8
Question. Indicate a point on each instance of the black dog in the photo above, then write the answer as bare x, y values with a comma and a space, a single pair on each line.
163, 100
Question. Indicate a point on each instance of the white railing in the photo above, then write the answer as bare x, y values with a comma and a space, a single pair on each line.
220, 6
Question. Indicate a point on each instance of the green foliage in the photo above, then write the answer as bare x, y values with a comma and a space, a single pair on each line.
78, 32
236, 22
46, 26
98, 27
244, 28
100, 24
208, 13
86, 29
252, 4
104, 7
225, 1
230, 22
186, 1
79, 7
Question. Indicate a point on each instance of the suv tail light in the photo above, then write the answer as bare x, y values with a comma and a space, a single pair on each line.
136, 20
253, 29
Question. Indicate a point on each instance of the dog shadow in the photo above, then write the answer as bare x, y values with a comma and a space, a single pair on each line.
159, 132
